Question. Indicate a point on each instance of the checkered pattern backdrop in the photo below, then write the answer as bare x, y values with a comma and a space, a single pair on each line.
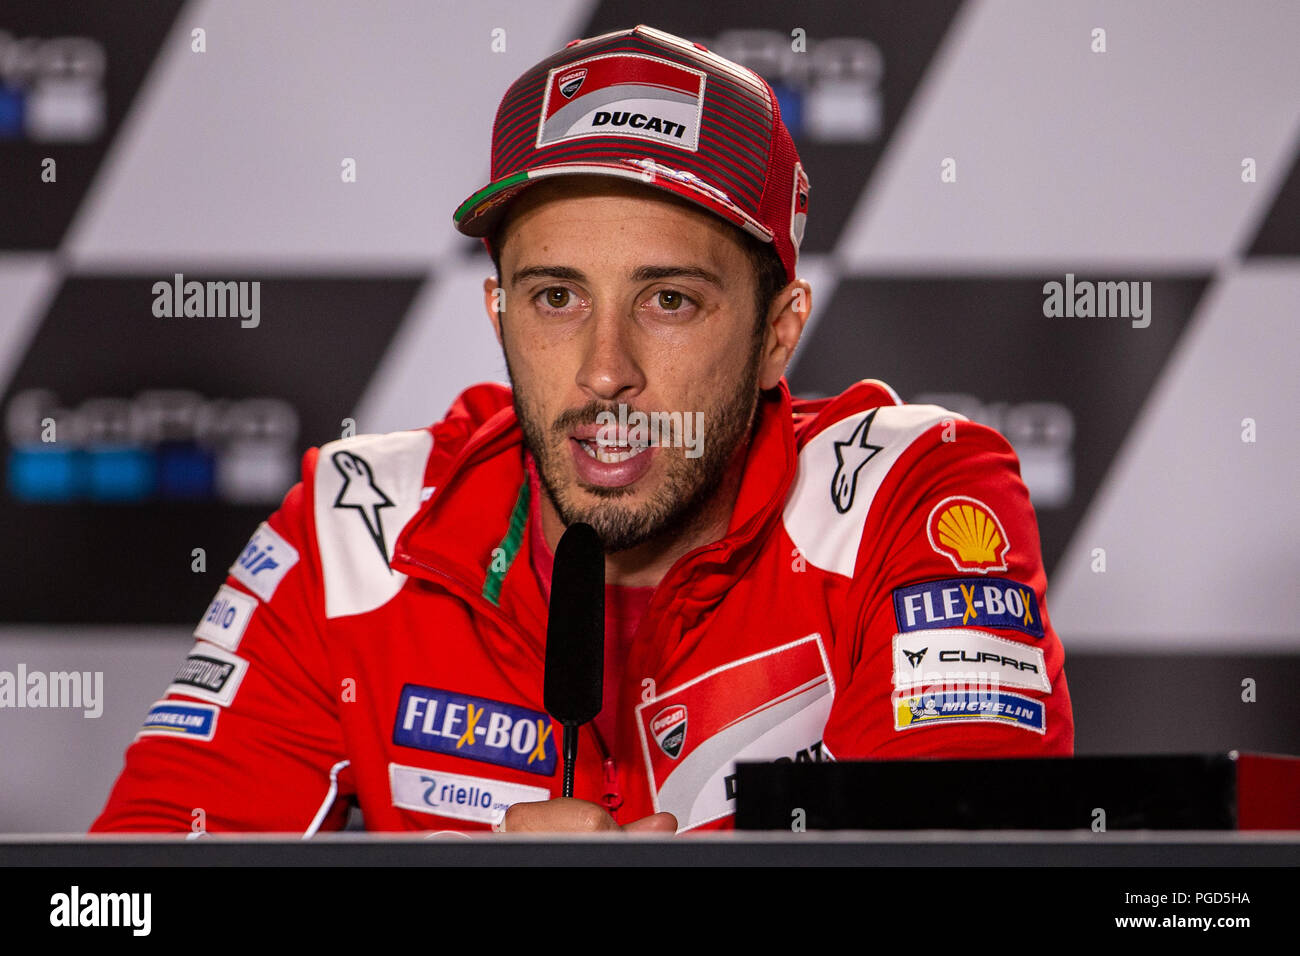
961, 155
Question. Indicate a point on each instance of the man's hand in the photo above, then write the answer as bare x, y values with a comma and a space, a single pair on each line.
568, 815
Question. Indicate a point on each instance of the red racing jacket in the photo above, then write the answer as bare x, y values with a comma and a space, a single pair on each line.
380, 640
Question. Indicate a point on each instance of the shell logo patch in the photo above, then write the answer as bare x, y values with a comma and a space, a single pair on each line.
968, 533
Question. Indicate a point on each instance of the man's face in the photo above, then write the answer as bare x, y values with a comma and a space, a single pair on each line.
614, 296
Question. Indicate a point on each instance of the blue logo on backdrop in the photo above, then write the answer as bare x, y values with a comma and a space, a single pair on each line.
475, 727
168, 444
961, 602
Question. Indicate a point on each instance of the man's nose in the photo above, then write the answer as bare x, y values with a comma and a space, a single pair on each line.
610, 368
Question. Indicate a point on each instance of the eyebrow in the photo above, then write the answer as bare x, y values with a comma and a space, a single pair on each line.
642, 274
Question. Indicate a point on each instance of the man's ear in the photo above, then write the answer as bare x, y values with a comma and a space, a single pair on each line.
786, 317
494, 300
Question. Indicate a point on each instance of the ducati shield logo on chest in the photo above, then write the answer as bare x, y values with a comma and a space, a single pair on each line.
669, 729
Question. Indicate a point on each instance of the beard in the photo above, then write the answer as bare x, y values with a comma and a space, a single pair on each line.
681, 500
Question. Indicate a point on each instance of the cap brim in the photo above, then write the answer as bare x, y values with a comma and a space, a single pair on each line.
481, 213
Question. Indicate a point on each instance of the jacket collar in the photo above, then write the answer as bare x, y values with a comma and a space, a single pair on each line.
463, 527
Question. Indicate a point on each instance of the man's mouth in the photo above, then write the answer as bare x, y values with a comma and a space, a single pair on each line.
609, 453
609, 461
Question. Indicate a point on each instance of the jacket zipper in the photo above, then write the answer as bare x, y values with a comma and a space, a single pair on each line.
612, 798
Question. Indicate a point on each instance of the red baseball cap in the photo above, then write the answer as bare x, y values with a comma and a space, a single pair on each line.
645, 105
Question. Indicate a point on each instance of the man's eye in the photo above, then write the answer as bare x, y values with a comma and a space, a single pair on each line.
556, 297
671, 301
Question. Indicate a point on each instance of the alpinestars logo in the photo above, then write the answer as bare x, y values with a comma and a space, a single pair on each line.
359, 491
850, 456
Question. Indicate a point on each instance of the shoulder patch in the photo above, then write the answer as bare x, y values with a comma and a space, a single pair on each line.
960, 657
952, 602
209, 673
264, 562
367, 489
226, 618
180, 718
838, 474
967, 532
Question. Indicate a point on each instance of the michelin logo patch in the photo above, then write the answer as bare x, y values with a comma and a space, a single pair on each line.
476, 728
174, 718
264, 562
226, 618
456, 795
623, 94
954, 707
961, 656
995, 602
209, 673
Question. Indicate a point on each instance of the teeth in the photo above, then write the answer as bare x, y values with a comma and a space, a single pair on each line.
604, 452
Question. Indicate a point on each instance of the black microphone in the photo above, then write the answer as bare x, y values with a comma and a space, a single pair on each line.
575, 637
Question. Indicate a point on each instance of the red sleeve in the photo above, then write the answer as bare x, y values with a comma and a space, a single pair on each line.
247, 737
953, 653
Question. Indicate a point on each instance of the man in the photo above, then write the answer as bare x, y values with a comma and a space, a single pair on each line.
786, 580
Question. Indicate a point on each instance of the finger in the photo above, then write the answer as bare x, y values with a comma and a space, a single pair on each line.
655, 823
563, 814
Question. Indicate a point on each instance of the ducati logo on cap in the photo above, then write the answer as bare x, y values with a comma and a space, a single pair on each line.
669, 729
622, 94
570, 82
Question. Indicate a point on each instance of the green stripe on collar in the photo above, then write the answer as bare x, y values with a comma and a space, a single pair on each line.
504, 554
